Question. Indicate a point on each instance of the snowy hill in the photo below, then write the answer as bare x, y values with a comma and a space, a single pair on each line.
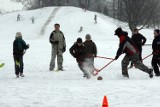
41, 88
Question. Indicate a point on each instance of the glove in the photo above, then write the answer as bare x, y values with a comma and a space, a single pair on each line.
24, 52
116, 57
28, 46
64, 49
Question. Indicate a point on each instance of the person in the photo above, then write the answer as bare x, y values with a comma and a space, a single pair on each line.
32, 20
156, 52
58, 43
139, 41
19, 49
95, 18
132, 54
90, 53
78, 52
18, 17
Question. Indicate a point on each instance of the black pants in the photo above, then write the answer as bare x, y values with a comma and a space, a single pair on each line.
18, 65
156, 63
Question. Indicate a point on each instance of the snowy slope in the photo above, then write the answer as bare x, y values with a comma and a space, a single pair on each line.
9, 6
41, 88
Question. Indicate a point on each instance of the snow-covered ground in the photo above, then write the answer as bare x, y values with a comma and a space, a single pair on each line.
42, 88
9, 6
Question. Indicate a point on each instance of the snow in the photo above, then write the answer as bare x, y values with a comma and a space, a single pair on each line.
42, 88
10, 6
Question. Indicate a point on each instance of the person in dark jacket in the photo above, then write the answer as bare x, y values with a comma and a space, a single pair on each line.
132, 54
139, 41
156, 52
19, 49
78, 52
90, 53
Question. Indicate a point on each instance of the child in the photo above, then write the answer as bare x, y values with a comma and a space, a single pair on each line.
78, 52
19, 48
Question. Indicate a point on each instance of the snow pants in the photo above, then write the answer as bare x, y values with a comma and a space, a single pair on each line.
156, 63
56, 52
135, 59
18, 65
89, 63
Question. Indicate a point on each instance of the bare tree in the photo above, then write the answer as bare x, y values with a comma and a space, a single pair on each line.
138, 12
26, 3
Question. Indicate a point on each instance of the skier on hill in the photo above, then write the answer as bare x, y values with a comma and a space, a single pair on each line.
90, 53
18, 17
95, 18
139, 41
19, 49
78, 52
32, 19
58, 43
156, 52
132, 54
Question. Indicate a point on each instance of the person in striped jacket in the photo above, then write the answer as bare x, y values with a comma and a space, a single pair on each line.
128, 47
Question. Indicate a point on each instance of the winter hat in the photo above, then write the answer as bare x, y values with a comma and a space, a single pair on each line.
118, 31
157, 30
88, 37
79, 40
18, 35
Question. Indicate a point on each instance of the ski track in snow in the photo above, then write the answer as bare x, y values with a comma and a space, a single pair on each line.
42, 88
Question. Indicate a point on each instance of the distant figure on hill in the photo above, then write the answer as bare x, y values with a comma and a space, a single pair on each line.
95, 18
32, 20
81, 29
18, 17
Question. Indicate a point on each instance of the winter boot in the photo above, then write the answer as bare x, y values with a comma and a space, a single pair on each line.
17, 76
157, 74
150, 73
21, 75
126, 75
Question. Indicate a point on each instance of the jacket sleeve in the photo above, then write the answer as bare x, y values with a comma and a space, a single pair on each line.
64, 41
24, 45
144, 40
121, 46
71, 50
154, 45
50, 38
95, 50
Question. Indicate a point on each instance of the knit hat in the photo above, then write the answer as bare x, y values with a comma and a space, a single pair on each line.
79, 40
118, 31
157, 30
88, 37
18, 35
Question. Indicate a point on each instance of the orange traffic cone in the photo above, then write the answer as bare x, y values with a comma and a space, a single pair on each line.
105, 102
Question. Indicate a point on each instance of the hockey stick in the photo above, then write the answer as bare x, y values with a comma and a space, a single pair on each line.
104, 57
99, 70
147, 56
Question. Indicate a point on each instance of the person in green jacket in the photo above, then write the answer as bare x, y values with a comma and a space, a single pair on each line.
19, 49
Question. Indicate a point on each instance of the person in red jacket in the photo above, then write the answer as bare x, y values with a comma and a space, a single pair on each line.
132, 54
